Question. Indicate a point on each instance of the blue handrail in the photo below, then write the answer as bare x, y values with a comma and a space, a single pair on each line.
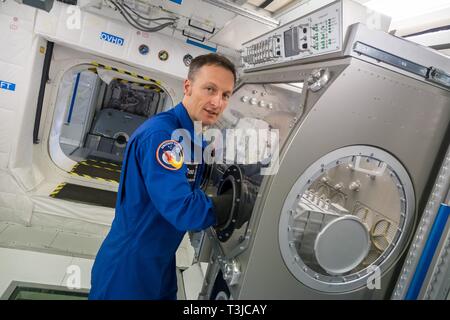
428, 252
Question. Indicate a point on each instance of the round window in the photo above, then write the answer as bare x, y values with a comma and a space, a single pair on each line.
347, 216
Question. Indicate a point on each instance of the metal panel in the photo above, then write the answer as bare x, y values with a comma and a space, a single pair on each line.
387, 116
393, 48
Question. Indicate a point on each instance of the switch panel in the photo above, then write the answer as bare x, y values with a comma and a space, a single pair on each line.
315, 34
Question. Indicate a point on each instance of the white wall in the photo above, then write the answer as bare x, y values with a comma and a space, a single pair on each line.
24, 31
56, 25
18, 51
21, 64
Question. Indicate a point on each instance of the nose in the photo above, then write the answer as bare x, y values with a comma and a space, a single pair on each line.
217, 100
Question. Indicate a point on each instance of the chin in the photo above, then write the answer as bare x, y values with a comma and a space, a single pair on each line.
208, 121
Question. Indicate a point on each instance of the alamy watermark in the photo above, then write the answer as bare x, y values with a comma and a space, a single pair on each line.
374, 278
247, 146
73, 21
74, 277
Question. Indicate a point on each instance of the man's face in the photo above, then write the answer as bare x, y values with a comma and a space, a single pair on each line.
207, 95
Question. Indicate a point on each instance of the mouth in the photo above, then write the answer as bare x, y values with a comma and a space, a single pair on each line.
211, 112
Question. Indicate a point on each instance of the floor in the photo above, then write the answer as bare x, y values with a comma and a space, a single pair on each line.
49, 240
57, 257
43, 268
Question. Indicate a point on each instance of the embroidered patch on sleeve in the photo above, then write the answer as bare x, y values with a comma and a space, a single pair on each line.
170, 155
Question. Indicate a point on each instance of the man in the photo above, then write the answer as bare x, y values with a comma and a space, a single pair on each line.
156, 203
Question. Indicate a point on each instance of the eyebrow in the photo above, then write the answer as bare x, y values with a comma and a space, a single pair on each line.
214, 85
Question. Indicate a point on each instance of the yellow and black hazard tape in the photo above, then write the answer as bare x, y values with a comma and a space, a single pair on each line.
75, 167
103, 162
94, 178
99, 167
133, 74
57, 189
142, 85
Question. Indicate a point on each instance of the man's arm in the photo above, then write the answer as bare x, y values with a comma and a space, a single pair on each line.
169, 189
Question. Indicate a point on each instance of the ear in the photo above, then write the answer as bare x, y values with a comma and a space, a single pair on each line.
187, 87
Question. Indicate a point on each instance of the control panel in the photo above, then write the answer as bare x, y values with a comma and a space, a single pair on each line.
315, 34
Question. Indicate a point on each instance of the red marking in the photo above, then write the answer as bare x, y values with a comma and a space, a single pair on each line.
168, 156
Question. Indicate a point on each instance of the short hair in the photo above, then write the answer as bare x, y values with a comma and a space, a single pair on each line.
210, 59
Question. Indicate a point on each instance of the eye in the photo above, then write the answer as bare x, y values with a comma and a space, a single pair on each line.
226, 97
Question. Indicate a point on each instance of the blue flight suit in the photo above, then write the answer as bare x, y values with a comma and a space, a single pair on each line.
155, 207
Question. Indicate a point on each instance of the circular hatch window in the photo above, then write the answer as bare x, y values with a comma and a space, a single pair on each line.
349, 214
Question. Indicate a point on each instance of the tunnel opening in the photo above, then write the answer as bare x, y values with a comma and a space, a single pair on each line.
99, 111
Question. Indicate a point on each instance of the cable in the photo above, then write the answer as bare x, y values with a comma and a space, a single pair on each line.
139, 26
123, 7
127, 16
145, 18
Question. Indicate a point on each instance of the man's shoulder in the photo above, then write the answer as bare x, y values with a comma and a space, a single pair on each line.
161, 122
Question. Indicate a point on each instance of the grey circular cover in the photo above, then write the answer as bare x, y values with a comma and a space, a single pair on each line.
342, 245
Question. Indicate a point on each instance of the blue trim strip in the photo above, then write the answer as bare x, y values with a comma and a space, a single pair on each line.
201, 45
177, 1
428, 252
74, 95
